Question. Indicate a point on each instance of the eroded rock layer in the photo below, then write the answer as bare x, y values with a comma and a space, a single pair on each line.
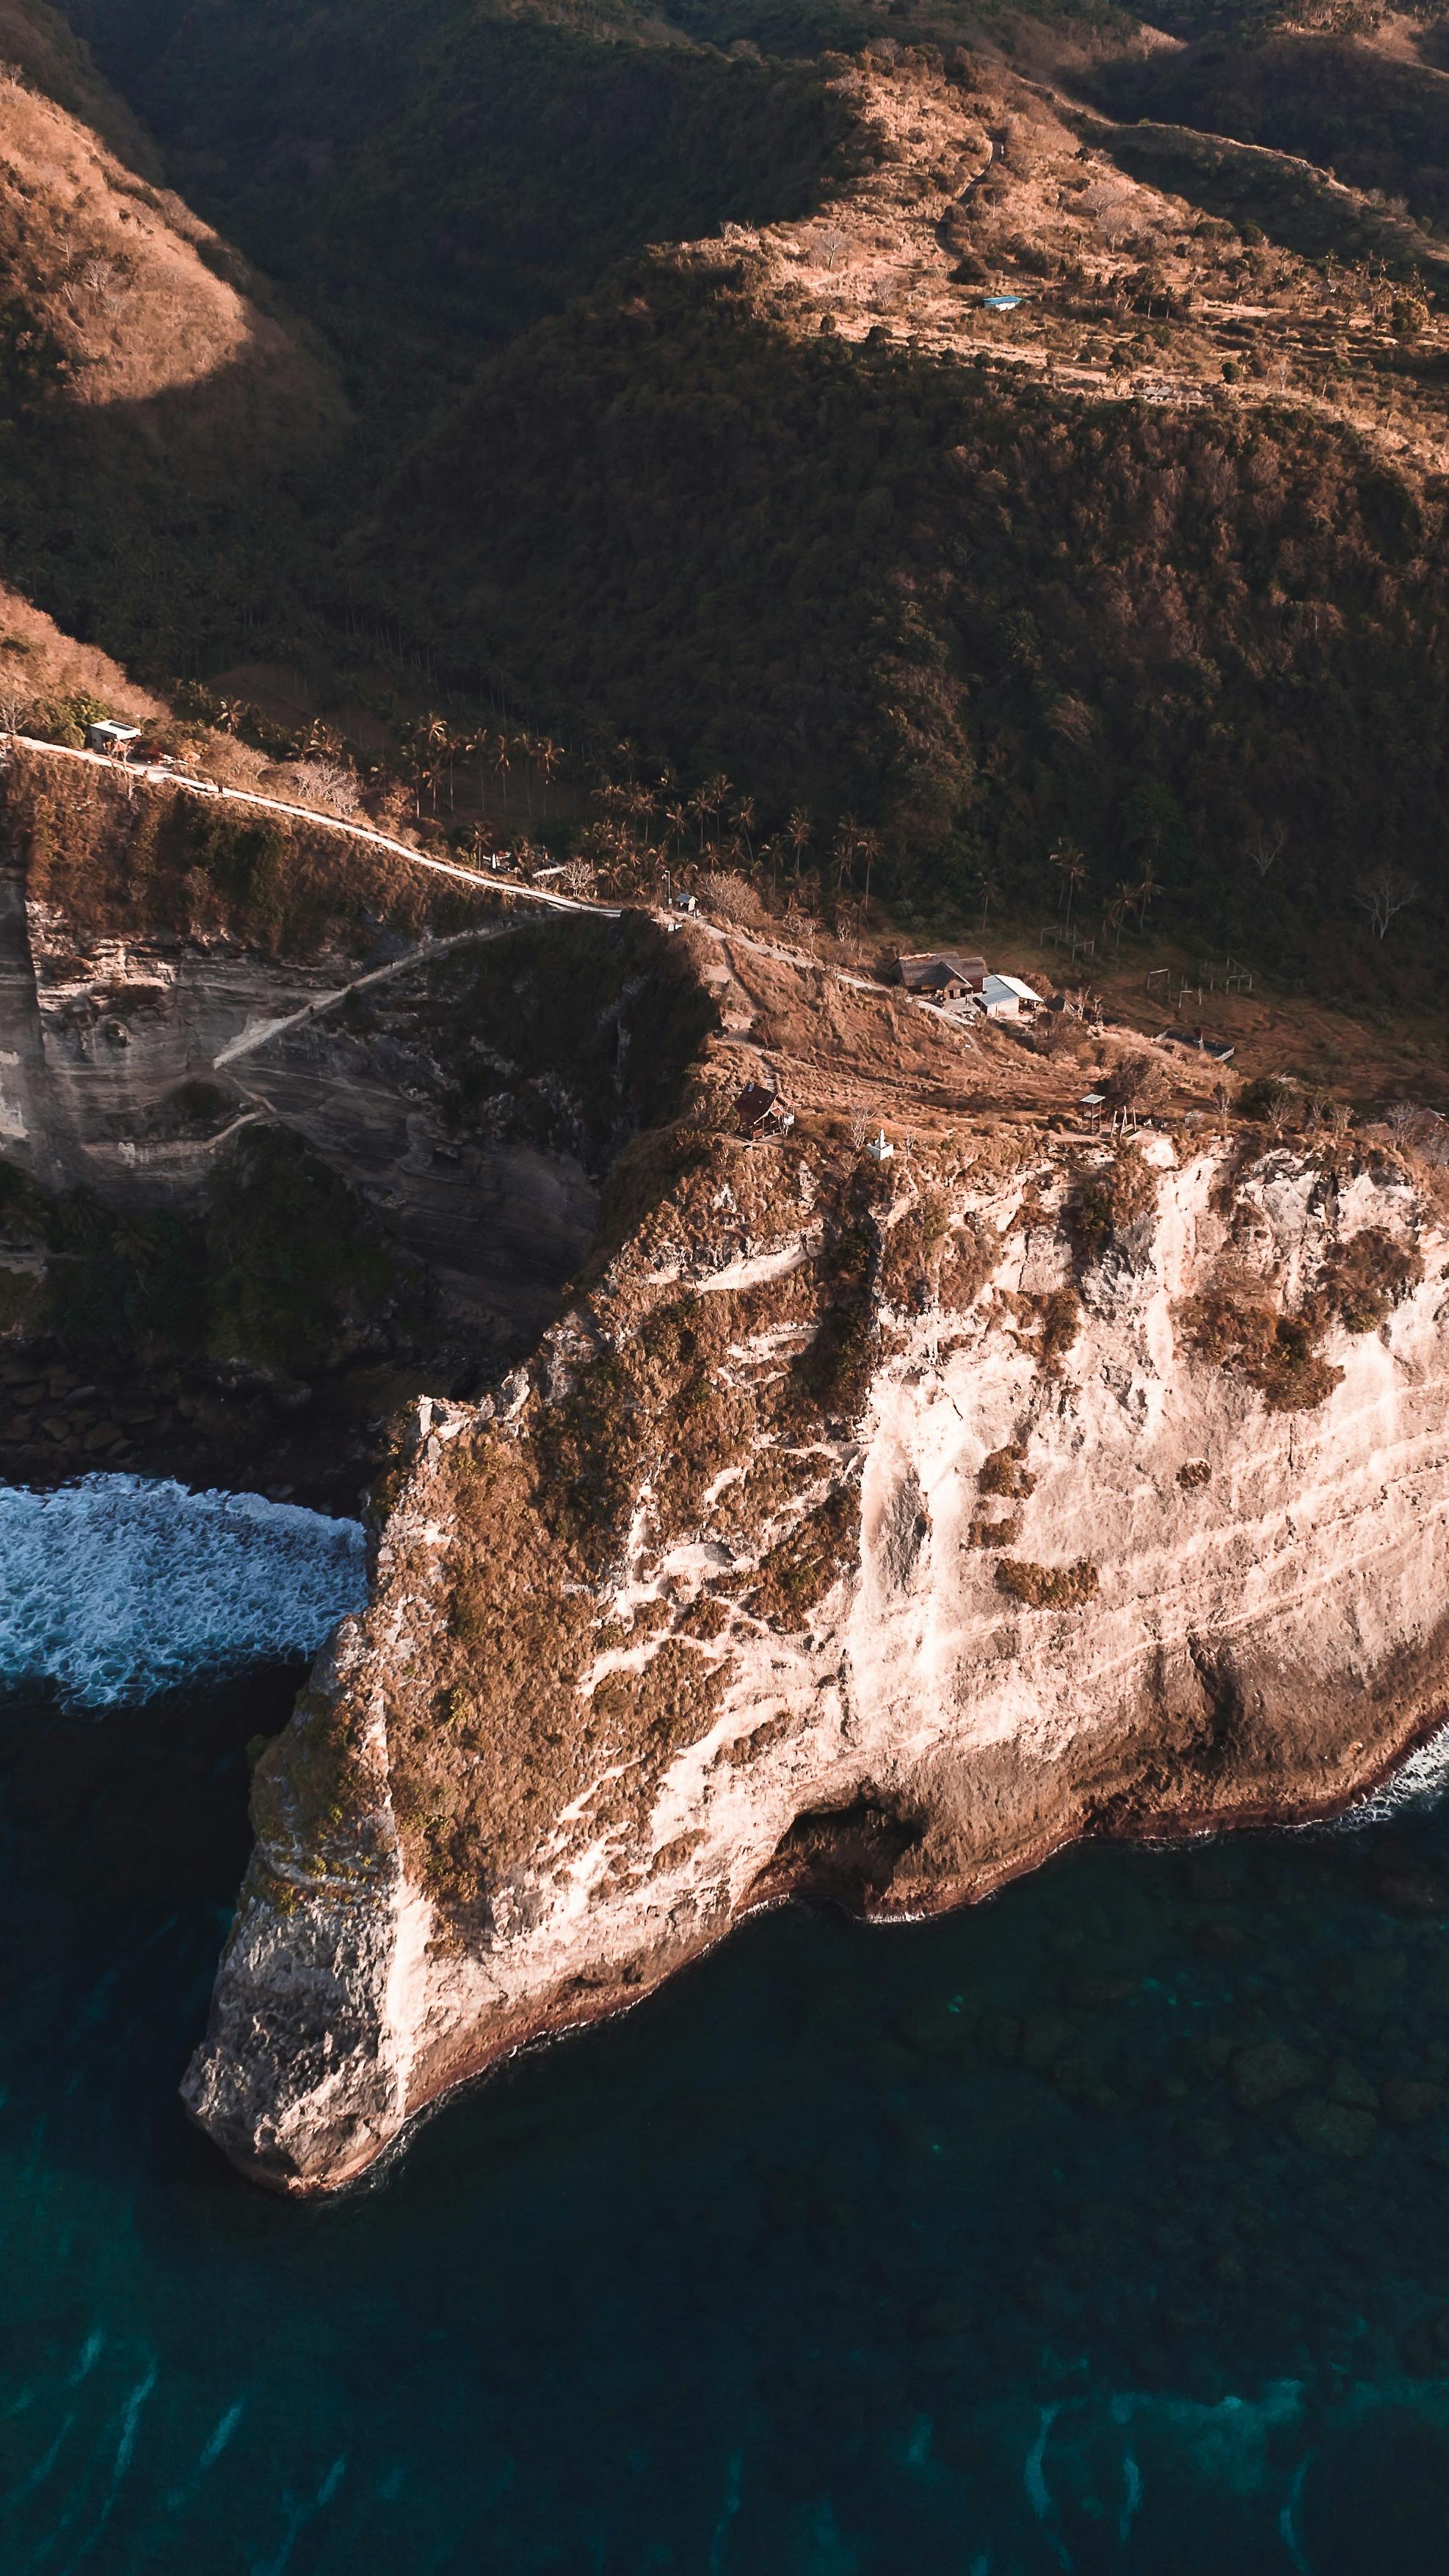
864, 1525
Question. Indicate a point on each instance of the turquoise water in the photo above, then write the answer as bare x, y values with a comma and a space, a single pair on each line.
971, 2250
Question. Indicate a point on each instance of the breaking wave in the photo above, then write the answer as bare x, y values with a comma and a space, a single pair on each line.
117, 1588
1417, 1786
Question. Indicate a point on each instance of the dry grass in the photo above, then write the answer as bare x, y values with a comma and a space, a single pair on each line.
145, 300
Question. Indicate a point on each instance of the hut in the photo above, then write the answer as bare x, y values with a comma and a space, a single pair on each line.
941, 975
759, 1112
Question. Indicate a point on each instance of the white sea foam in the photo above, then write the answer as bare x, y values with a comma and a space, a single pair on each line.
1416, 1786
116, 1588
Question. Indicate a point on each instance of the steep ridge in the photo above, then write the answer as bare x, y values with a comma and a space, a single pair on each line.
164, 421
864, 1526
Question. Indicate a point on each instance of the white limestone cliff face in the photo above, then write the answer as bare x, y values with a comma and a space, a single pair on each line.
1261, 1626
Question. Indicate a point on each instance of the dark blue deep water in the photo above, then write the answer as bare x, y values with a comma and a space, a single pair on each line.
1102, 2228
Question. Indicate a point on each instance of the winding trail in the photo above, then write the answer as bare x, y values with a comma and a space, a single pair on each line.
210, 788
513, 886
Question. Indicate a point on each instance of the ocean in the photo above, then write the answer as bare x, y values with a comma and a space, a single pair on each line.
1099, 2228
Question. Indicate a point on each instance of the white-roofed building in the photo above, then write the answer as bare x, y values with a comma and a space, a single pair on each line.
1006, 997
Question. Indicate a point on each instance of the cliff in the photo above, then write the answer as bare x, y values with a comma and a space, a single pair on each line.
288, 1130
861, 1527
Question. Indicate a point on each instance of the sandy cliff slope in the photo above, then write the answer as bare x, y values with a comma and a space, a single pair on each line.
868, 1527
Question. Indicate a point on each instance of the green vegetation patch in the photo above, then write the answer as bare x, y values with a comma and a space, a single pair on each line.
282, 1266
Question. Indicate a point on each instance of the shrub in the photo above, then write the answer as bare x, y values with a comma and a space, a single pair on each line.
996, 1533
1047, 1587
1002, 1472
800, 1571
1061, 1321
1368, 1276
1276, 1353
1108, 1200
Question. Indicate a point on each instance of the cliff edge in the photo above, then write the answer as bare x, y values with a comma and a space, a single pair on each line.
863, 1526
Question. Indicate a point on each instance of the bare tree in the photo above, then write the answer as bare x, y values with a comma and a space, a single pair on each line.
329, 782
1266, 847
1384, 893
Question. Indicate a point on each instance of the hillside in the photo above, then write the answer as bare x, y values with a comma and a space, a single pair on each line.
428, 178
162, 416
683, 414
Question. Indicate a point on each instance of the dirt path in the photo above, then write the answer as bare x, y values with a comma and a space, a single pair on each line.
209, 788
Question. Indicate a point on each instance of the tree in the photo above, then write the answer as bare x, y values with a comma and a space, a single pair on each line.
1068, 860
1266, 847
797, 832
847, 843
33, 365
548, 755
989, 889
868, 845
1384, 893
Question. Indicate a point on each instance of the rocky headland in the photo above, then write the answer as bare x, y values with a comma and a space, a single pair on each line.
862, 1525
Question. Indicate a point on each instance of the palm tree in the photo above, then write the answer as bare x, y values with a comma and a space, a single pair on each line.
989, 888
745, 819
548, 754
699, 806
502, 762
1148, 888
1073, 868
869, 847
797, 833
